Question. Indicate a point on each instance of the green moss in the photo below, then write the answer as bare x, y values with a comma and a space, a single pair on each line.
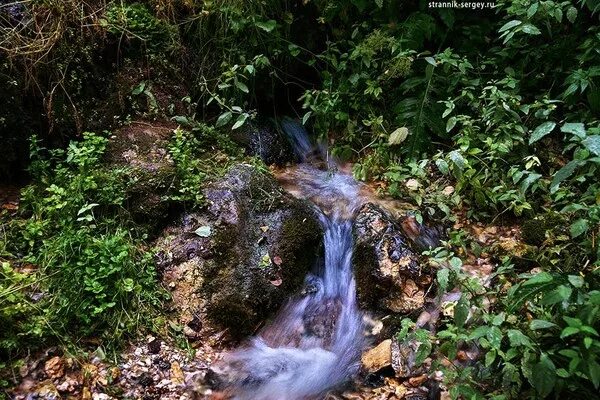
298, 247
535, 231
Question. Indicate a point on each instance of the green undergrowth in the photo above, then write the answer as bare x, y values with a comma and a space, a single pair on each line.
75, 264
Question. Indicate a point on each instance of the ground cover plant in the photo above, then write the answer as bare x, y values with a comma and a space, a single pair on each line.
485, 116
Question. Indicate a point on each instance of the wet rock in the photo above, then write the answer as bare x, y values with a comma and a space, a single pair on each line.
378, 357
265, 140
237, 261
142, 147
387, 270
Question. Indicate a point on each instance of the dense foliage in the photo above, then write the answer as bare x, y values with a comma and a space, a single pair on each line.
493, 115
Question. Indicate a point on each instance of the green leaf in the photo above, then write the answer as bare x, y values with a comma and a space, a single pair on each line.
266, 26
203, 231
589, 330
455, 263
517, 338
479, 332
578, 227
431, 61
593, 144
490, 357
306, 117
543, 376
461, 313
398, 136
242, 86
537, 324
442, 278
563, 373
457, 159
532, 9
542, 277
576, 322
442, 165
541, 131
560, 294
594, 369
265, 261
569, 331
572, 14
450, 124
563, 174
576, 280
509, 25
531, 29
494, 335
223, 119
576, 128
240, 121
139, 89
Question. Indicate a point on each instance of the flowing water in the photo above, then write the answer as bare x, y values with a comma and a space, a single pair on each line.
315, 342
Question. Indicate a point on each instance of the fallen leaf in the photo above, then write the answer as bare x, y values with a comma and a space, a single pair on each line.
177, 374
277, 260
54, 367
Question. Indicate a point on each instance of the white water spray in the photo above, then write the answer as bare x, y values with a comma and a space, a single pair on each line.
315, 342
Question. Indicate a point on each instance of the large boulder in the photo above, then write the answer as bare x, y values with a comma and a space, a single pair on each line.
142, 148
388, 272
237, 261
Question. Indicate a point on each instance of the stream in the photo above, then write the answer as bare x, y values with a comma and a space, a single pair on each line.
314, 343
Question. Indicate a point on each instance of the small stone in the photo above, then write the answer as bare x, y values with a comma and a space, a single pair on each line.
162, 364
54, 367
138, 352
101, 396
154, 346
69, 385
145, 379
412, 184
378, 357
417, 380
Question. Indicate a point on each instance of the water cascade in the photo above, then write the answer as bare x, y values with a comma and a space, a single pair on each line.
315, 342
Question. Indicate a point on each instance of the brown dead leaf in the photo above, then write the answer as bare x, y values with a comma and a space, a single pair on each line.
54, 368
177, 374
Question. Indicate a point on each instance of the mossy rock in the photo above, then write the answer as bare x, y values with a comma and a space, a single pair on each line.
141, 148
262, 243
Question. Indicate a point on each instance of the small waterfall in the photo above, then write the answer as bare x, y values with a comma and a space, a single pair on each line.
315, 342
